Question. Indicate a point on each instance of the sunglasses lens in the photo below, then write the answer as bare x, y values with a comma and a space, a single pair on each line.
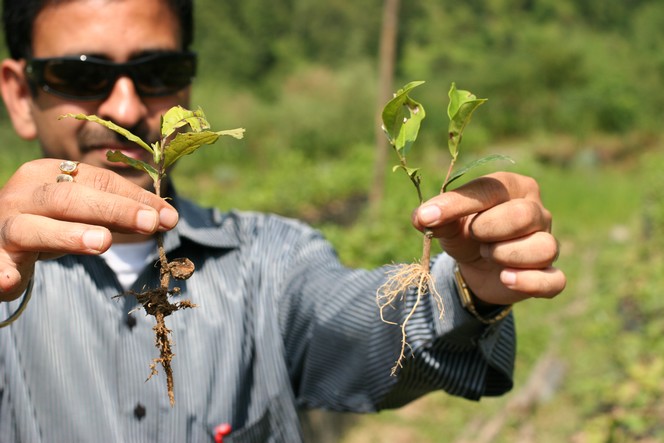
164, 74
76, 78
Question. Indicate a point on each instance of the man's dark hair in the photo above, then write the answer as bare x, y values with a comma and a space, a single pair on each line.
18, 18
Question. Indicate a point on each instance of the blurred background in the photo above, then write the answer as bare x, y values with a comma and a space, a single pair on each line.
575, 98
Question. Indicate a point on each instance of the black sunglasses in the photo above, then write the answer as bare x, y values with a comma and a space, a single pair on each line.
90, 78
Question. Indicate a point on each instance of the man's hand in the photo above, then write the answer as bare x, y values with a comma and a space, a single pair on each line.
42, 219
500, 235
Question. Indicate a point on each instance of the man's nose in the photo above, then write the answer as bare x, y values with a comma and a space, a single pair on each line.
123, 106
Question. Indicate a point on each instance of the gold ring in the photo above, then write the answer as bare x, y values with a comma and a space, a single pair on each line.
68, 169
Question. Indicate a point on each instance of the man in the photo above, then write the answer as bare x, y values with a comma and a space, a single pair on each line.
281, 325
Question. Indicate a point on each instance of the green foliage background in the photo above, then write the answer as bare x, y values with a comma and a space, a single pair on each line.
575, 97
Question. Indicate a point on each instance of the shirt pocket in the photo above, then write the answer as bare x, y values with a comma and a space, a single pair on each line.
258, 431
277, 422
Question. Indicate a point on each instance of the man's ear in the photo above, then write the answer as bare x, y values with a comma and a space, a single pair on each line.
18, 97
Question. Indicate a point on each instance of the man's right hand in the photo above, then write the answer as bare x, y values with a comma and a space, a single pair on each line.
41, 219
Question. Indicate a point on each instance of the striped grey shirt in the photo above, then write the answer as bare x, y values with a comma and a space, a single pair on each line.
280, 325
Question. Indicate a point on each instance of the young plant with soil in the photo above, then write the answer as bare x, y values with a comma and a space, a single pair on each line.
183, 131
402, 117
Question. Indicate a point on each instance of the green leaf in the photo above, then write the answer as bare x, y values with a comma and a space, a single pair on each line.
236, 133
177, 117
489, 158
110, 125
460, 109
412, 172
117, 156
185, 143
402, 117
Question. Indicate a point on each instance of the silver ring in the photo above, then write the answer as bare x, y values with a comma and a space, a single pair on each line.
68, 169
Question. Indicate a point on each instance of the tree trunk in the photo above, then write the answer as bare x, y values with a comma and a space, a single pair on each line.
386, 60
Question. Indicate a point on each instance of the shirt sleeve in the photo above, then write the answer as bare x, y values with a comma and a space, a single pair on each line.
340, 352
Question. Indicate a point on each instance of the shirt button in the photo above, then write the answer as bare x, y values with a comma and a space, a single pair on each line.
139, 411
130, 322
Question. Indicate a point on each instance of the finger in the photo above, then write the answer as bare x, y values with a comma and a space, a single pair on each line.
33, 233
47, 169
10, 281
15, 272
97, 197
78, 203
110, 182
542, 283
474, 197
512, 219
535, 251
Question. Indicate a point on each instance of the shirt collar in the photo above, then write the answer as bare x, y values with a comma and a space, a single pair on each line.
205, 226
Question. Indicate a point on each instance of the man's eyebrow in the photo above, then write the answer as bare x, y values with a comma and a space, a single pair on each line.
147, 52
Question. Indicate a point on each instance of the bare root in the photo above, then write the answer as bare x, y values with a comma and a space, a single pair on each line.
163, 343
156, 303
399, 281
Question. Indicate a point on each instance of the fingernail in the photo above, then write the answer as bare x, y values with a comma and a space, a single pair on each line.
429, 214
168, 218
508, 278
146, 220
94, 239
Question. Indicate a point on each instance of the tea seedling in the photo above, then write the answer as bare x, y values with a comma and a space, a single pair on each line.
402, 117
174, 144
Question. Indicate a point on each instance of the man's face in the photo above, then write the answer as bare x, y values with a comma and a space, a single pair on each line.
118, 31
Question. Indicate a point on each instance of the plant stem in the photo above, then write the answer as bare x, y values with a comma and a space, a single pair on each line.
416, 181
163, 261
449, 174
428, 233
164, 273
426, 249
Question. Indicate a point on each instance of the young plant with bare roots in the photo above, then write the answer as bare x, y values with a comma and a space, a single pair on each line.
402, 117
175, 142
